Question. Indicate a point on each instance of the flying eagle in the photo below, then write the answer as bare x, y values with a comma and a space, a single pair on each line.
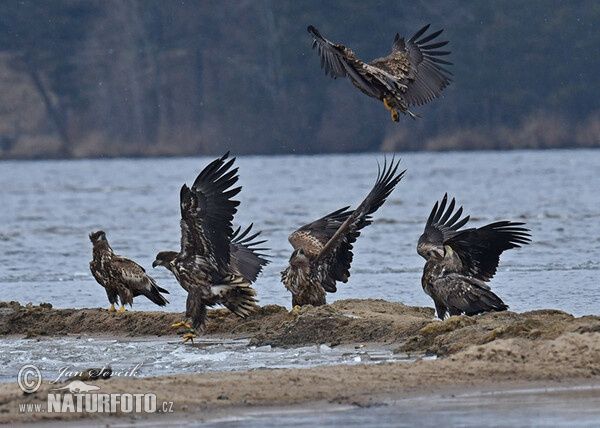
410, 76
121, 277
216, 264
460, 262
323, 249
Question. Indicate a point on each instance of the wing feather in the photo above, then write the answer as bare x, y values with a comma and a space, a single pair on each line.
207, 212
333, 262
246, 259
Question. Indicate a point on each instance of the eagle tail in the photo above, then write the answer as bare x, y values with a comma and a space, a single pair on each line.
153, 293
240, 299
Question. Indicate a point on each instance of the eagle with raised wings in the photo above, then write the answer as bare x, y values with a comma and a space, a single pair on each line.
215, 265
412, 75
122, 278
460, 262
323, 249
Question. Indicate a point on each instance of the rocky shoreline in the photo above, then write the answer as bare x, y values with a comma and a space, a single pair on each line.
488, 351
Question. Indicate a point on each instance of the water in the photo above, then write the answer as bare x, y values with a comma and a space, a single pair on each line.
542, 407
160, 356
49, 207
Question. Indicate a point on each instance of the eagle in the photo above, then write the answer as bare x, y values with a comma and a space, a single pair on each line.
122, 278
412, 75
459, 262
215, 265
323, 249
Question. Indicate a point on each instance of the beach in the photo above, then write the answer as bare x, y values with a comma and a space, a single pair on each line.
501, 351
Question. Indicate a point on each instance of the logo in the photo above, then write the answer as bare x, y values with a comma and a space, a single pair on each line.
79, 397
29, 379
77, 386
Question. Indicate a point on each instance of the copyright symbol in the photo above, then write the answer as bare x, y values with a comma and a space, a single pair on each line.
29, 378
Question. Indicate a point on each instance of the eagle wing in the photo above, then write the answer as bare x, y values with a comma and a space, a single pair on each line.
441, 225
245, 258
333, 262
339, 61
416, 66
480, 248
135, 278
312, 237
465, 295
207, 212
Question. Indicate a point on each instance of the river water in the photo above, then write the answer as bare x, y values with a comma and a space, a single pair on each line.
50, 207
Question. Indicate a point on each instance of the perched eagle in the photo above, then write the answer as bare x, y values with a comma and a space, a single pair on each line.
121, 277
460, 262
215, 264
410, 76
323, 249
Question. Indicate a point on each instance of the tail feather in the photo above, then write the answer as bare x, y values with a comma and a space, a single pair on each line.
154, 294
240, 300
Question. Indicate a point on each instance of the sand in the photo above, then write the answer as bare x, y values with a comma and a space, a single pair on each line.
490, 351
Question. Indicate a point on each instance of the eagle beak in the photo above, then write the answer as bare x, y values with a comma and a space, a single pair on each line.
155, 263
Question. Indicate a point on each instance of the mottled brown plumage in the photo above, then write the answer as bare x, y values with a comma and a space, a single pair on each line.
323, 249
411, 75
215, 265
121, 277
459, 262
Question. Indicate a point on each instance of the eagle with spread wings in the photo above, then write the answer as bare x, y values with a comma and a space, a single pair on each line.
215, 265
460, 262
323, 249
122, 278
412, 75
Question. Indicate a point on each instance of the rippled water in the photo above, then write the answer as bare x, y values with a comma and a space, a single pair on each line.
49, 207
160, 356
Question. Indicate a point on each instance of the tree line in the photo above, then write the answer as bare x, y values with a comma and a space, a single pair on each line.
151, 78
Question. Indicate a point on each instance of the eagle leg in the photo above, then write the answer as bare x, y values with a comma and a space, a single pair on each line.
387, 106
189, 336
179, 324
112, 308
122, 308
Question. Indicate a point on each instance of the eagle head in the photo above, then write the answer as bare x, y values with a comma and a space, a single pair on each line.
429, 251
97, 236
298, 259
164, 258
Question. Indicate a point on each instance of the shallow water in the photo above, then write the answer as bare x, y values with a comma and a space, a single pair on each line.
161, 356
544, 407
49, 207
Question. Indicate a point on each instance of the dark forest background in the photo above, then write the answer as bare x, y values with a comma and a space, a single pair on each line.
155, 77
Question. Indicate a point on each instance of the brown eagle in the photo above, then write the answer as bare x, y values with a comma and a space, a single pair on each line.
460, 262
121, 277
410, 76
215, 265
323, 249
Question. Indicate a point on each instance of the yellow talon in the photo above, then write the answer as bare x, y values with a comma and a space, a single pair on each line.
295, 309
179, 324
189, 336
395, 115
122, 308
112, 308
387, 106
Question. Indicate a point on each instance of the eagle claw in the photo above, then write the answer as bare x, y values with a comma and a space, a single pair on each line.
112, 308
121, 309
189, 336
295, 309
182, 323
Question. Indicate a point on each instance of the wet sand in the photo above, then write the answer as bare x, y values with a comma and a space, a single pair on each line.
489, 352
